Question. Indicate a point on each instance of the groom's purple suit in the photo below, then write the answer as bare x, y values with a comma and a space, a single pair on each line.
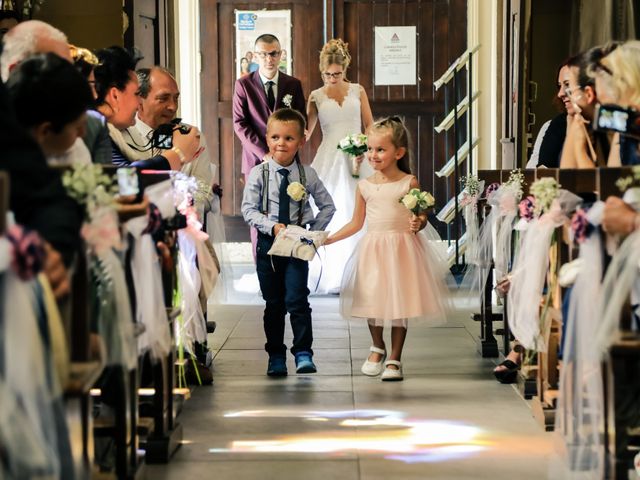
250, 113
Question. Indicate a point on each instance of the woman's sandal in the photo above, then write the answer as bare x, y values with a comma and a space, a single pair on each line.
509, 373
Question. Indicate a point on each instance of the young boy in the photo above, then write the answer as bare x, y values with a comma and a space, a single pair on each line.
267, 206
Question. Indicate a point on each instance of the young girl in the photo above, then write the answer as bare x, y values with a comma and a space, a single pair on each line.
393, 275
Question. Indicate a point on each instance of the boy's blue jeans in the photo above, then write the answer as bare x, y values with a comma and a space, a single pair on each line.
283, 282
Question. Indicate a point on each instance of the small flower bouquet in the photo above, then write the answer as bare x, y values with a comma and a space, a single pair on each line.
417, 201
354, 145
545, 190
296, 191
89, 186
471, 185
287, 100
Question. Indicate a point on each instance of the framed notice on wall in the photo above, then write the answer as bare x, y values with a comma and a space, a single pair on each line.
395, 56
250, 24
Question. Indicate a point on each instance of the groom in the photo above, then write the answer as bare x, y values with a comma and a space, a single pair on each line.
258, 95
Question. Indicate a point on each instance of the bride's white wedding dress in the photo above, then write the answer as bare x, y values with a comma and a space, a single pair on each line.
334, 169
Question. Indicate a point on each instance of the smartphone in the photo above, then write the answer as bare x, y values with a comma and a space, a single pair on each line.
128, 181
618, 119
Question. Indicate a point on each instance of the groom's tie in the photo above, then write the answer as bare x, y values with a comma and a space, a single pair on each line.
283, 198
271, 98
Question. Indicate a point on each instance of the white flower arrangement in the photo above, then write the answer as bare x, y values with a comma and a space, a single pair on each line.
515, 183
633, 180
354, 145
287, 100
545, 191
296, 191
88, 185
471, 185
417, 201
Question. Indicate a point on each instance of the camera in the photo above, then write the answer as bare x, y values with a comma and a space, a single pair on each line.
163, 135
625, 121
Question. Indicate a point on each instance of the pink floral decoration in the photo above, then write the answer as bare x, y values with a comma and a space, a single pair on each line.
526, 208
580, 226
28, 252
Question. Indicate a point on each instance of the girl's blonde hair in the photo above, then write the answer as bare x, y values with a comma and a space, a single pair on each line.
335, 52
623, 64
394, 127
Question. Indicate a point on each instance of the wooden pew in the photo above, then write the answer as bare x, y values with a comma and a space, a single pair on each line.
486, 317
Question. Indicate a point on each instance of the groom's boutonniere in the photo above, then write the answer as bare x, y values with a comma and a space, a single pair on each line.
296, 191
287, 99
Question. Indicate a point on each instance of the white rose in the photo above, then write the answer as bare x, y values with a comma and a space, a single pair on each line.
345, 142
410, 201
356, 140
296, 191
429, 199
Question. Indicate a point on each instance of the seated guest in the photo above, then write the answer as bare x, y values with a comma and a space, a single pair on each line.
56, 120
584, 147
617, 78
159, 97
8, 20
118, 100
30, 38
37, 198
547, 148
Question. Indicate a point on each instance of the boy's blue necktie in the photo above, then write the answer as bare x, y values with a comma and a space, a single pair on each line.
283, 198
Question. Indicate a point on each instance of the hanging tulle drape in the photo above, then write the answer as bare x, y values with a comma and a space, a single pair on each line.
192, 326
580, 407
147, 281
530, 269
28, 387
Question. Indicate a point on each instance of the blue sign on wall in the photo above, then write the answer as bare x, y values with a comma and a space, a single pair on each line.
247, 21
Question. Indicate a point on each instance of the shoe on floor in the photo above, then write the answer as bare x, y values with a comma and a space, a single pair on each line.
509, 374
277, 366
373, 369
391, 374
304, 363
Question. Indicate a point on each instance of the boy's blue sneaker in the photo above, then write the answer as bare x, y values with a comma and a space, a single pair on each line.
277, 366
304, 363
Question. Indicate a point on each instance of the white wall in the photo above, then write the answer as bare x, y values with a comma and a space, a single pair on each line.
485, 28
188, 59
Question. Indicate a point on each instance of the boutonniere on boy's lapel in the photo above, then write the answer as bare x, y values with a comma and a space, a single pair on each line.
287, 99
296, 191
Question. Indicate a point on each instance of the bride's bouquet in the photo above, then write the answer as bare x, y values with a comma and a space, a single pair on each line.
354, 145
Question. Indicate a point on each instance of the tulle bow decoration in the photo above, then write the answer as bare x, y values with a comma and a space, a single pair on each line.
28, 252
532, 265
102, 233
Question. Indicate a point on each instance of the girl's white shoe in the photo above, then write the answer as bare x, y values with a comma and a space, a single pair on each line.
373, 369
391, 374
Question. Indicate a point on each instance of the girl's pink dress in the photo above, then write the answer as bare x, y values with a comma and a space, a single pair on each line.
393, 274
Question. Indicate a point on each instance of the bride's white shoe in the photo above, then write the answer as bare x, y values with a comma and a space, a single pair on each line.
373, 369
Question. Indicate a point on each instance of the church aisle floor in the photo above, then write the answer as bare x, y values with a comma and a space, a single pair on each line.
449, 419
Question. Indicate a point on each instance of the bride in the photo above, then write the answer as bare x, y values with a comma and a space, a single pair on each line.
342, 108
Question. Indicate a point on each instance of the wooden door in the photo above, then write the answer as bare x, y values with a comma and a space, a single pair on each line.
441, 27
219, 75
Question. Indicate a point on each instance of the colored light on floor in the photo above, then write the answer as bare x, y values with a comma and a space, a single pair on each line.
379, 432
